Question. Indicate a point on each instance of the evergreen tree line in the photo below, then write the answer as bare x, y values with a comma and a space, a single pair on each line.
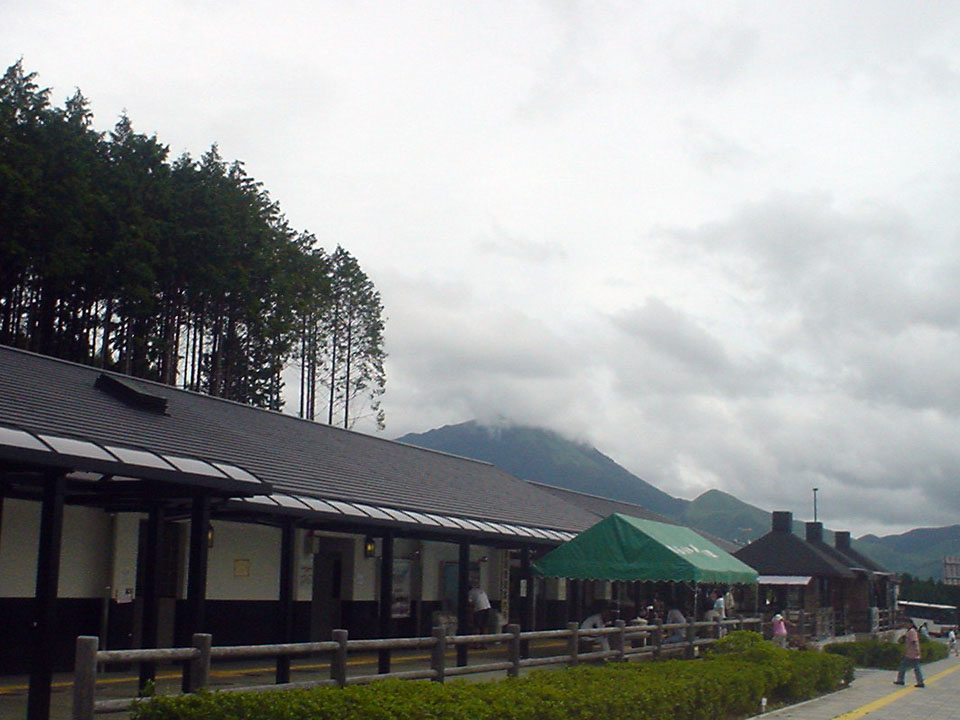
928, 591
183, 271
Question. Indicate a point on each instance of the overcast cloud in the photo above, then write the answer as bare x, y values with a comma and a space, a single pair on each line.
717, 240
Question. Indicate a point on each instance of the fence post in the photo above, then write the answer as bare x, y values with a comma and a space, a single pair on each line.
439, 660
198, 669
573, 643
338, 663
514, 670
657, 638
619, 640
691, 649
84, 677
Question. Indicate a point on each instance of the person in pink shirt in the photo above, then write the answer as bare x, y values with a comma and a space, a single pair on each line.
911, 656
779, 626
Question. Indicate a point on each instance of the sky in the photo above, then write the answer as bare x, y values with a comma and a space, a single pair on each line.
717, 240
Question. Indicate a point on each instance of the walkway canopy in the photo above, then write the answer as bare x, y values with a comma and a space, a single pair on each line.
628, 548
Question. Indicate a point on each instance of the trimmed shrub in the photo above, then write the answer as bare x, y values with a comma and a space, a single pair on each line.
885, 655
729, 683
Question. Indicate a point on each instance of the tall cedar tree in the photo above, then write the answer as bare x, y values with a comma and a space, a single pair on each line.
186, 272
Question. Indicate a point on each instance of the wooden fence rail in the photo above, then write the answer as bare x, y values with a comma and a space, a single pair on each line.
624, 642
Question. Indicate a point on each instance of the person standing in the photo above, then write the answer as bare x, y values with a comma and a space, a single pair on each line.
952, 642
911, 656
779, 626
719, 611
480, 604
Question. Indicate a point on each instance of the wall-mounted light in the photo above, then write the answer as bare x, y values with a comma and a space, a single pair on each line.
369, 547
210, 535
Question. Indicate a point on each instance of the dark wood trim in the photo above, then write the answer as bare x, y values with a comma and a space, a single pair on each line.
151, 588
386, 599
286, 596
48, 577
463, 588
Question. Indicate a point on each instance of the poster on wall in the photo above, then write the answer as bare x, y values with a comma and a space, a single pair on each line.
400, 607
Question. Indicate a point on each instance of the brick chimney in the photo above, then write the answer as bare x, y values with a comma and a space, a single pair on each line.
782, 521
814, 532
841, 540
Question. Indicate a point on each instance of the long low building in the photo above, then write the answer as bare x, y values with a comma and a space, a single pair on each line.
142, 513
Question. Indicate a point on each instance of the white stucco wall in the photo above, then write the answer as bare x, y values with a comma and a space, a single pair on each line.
126, 537
84, 560
244, 562
435, 554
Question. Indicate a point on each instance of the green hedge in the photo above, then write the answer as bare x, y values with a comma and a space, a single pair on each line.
885, 655
729, 683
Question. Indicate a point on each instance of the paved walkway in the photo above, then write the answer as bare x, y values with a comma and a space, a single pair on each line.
874, 696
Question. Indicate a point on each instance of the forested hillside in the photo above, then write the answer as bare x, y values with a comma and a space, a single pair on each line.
183, 271
544, 456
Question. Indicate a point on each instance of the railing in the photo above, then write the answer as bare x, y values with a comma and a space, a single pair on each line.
625, 641
828, 622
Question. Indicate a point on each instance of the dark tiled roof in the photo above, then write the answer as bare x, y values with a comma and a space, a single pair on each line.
861, 560
46, 395
604, 507
783, 553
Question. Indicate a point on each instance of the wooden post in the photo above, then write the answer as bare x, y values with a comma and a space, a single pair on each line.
690, 651
657, 638
151, 590
85, 677
386, 600
573, 643
438, 660
526, 601
514, 651
197, 572
338, 663
463, 589
48, 577
198, 676
285, 597
619, 640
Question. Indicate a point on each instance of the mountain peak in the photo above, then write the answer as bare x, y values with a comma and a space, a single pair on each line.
547, 457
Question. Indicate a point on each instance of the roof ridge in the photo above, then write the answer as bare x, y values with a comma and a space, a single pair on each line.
591, 495
237, 403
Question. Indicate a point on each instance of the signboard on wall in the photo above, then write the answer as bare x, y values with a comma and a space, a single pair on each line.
400, 608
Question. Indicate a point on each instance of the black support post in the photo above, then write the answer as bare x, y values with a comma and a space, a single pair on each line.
197, 575
386, 599
151, 589
48, 577
463, 590
526, 599
286, 598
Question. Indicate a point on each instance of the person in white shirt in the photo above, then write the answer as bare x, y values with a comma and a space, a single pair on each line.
596, 621
480, 604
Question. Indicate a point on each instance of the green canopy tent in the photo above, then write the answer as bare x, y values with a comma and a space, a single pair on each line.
626, 548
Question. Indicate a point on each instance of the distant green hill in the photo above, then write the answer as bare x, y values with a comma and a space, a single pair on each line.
545, 457
919, 552
722, 514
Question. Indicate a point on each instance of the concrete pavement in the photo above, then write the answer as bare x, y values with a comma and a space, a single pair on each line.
873, 695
